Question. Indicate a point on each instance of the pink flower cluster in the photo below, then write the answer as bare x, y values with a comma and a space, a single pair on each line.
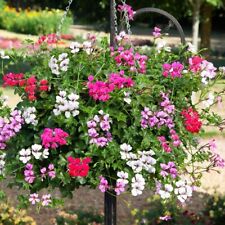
206, 69
8, 129
53, 138
176, 142
98, 129
29, 173
159, 118
127, 57
50, 172
104, 186
215, 158
128, 9
156, 32
173, 70
165, 144
101, 90
168, 169
45, 199
195, 63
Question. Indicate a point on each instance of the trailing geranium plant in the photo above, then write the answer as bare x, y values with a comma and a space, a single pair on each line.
119, 119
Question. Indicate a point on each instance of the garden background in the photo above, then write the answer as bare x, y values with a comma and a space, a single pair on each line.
20, 19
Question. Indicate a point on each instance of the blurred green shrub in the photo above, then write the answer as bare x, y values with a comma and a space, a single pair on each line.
215, 209
33, 21
78, 217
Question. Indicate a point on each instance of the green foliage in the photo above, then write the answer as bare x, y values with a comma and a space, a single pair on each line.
215, 209
32, 21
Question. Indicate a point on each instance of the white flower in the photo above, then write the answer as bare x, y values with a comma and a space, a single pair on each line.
62, 93
75, 47
125, 151
123, 177
29, 116
3, 56
63, 56
127, 98
2, 163
73, 96
25, 155
45, 153
36, 151
87, 45
138, 185
161, 44
64, 65
168, 187
164, 194
209, 101
136, 165
67, 114
183, 191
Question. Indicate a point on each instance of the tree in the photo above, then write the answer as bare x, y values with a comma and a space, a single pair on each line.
196, 8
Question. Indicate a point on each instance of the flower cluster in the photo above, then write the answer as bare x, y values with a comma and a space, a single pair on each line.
127, 9
2, 163
101, 90
121, 182
143, 160
30, 84
53, 138
29, 115
29, 173
9, 128
103, 185
13, 79
215, 158
168, 169
78, 167
49, 39
87, 46
156, 32
127, 57
99, 129
59, 65
206, 68
66, 104
159, 118
45, 199
50, 172
173, 70
192, 121
137, 185
35, 150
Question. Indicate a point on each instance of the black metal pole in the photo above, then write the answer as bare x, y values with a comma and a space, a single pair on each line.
110, 208
110, 196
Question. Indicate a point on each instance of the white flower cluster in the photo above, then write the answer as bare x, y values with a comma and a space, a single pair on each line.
181, 190
2, 163
29, 115
143, 160
138, 185
66, 104
60, 64
87, 46
166, 193
123, 177
3, 100
208, 71
36, 150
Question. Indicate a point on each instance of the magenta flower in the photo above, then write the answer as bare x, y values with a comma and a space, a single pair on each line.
174, 70
103, 186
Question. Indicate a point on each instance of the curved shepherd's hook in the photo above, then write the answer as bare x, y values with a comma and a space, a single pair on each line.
166, 14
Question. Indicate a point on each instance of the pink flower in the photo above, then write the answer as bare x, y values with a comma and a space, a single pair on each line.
165, 218
46, 200
103, 186
120, 187
33, 199
174, 70
53, 138
128, 9
157, 32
